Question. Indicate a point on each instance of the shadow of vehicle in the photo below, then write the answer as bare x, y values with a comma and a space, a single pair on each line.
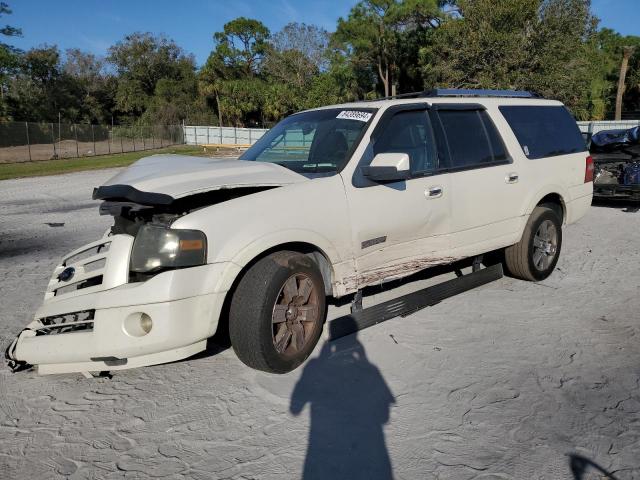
627, 206
580, 466
349, 403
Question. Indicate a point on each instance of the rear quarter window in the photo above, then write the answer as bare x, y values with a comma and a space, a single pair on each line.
544, 131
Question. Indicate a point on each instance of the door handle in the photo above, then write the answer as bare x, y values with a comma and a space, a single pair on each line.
511, 177
434, 192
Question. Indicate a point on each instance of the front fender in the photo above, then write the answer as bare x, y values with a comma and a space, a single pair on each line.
241, 229
283, 238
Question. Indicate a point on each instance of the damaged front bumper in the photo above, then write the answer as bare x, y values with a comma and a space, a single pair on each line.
96, 321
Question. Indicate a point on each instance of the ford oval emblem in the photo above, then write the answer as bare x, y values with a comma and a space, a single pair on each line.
67, 274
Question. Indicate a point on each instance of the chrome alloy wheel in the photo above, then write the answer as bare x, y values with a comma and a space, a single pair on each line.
296, 314
545, 245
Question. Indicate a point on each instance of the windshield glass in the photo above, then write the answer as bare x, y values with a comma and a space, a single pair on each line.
312, 142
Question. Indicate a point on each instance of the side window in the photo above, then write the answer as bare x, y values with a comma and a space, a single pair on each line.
544, 131
472, 138
409, 132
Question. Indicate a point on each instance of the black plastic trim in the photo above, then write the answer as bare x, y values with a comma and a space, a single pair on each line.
408, 304
127, 192
457, 106
385, 174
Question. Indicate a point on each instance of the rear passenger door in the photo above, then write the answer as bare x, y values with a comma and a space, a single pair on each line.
485, 185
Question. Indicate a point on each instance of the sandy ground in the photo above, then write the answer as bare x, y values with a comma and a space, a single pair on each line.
512, 380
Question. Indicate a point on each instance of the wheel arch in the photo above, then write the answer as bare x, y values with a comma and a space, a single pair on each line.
302, 247
556, 202
552, 194
305, 248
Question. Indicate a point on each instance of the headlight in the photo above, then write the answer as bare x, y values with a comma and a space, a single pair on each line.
158, 248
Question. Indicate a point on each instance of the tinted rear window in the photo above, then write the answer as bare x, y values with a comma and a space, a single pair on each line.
544, 131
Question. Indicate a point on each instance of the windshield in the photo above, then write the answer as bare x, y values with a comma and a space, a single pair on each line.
312, 142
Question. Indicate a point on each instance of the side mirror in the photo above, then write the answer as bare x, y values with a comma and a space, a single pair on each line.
388, 167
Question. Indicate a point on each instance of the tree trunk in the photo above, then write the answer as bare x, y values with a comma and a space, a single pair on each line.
384, 76
219, 109
626, 55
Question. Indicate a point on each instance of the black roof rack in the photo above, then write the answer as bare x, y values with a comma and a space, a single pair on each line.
462, 92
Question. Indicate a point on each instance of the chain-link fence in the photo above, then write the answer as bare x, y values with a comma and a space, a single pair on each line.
30, 141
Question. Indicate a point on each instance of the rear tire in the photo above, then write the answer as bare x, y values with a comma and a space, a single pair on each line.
277, 311
535, 256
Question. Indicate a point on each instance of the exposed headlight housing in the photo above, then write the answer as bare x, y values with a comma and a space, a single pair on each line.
159, 248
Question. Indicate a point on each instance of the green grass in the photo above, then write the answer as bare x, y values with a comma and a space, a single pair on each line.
56, 167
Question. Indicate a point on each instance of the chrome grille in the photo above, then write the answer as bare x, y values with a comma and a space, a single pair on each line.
66, 323
88, 262
97, 266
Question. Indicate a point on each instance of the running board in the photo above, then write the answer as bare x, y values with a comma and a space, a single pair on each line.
410, 303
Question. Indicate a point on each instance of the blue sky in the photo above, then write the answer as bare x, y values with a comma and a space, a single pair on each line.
94, 25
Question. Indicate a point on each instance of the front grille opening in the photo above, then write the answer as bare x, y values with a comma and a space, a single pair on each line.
90, 282
90, 252
95, 265
81, 321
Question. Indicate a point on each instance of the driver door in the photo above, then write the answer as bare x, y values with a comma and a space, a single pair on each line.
400, 227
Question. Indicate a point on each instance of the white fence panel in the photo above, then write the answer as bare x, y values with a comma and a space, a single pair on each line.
596, 126
205, 135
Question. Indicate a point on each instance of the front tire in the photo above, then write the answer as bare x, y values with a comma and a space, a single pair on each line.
535, 256
277, 311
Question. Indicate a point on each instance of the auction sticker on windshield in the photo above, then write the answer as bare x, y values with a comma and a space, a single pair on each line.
355, 115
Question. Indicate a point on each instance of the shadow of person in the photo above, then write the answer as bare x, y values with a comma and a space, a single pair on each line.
349, 402
580, 465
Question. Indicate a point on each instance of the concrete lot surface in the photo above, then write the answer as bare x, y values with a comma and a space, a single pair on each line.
512, 380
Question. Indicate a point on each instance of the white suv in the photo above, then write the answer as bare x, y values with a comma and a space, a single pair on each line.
329, 201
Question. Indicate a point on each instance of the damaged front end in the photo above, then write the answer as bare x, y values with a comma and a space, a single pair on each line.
616, 155
145, 293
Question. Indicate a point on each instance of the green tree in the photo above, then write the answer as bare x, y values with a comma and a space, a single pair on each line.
153, 72
539, 45
242, 45
631, 99
375, 34
9, 58
295, 56
231, 77
92, 88
35, 92
311, 41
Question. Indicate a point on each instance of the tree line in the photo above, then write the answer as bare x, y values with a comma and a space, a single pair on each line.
383, 47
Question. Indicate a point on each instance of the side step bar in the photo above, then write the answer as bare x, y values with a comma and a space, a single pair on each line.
410, 303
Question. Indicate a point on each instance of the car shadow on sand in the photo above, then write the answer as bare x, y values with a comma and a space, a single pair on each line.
349, 403
627, 206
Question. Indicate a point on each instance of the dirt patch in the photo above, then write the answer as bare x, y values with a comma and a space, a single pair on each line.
71, 149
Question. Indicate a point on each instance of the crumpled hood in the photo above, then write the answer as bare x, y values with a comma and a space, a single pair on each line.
177, 176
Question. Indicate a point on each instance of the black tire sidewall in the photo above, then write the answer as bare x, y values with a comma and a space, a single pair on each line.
281, 268
546, 214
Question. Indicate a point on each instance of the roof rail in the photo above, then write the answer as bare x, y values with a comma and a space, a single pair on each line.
462, 92
472, 92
